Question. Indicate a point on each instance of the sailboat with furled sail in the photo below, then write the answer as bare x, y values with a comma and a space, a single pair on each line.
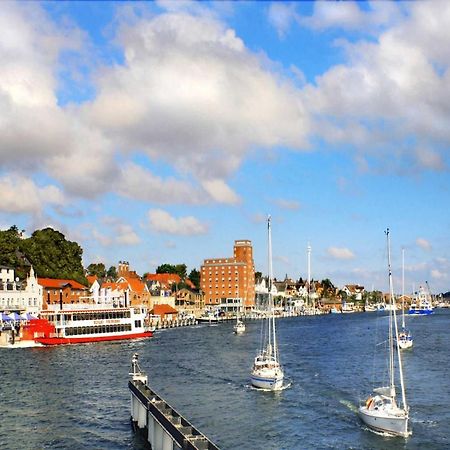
382, 410
267, 372
405, 339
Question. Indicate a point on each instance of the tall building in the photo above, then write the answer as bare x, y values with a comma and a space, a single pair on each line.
234, 277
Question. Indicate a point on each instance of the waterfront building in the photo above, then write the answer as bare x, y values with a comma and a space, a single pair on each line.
190, 302
222, 278
63, 291
354, 291
22, 297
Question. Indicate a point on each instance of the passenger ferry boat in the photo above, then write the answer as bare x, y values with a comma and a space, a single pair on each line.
422, 304
82, 323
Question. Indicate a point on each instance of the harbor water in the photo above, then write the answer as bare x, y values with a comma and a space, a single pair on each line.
76, 396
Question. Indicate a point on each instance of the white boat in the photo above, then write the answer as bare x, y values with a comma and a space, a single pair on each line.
239, 326
405, 339
422, 305
382, 410
79, 323
267, 372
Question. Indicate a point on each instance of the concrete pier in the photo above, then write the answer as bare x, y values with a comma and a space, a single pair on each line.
162, 426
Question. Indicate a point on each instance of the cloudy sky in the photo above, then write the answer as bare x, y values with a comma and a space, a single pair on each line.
161, 132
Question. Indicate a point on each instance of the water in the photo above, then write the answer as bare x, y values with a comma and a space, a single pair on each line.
77, 396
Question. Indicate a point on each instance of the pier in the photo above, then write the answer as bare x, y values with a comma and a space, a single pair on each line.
162, 426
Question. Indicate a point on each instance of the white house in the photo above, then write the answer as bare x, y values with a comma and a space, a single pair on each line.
28, 299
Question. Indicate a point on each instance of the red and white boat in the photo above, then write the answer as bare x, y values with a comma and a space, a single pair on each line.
81, 323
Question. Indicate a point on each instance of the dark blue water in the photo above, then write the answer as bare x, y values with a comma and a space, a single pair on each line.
77, 397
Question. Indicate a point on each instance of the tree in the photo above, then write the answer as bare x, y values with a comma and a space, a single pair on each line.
97, 269
112, 273
179, 269
11, 253
53, 256
194, 276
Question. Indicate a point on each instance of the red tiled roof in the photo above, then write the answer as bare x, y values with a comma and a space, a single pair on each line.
56, 283
91, 279
161, 310
115, 286
164, 278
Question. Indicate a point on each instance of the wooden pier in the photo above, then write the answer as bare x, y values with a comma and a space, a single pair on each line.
162, 426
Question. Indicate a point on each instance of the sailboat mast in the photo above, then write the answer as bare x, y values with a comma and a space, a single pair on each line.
391, 309
393, 318
308, 250
272, 333
403, 288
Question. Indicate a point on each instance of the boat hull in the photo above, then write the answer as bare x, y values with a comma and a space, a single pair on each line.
269, 382
88, 339
420, 312
395, 424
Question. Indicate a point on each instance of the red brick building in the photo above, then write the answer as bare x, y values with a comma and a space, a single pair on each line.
234, 277
56, 290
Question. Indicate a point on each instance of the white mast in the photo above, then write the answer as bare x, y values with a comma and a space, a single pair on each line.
393, 318
403, 288
272, 334
308, 251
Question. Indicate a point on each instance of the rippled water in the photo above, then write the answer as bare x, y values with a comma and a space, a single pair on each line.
77, 397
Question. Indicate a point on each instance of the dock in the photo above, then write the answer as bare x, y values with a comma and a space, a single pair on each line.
162, 426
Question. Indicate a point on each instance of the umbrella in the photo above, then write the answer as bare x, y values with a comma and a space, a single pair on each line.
28, 316
15, 316
5, 318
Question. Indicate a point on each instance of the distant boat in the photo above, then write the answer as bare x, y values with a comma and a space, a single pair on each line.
382, 411
422, 304
405, 339
267, 372
239, 326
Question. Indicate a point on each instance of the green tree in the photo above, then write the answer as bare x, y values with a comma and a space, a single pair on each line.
11, 254
112, 273
97, 269
179, 269
194, 276
53, 256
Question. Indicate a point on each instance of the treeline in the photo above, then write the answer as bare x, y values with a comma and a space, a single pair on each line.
53, 256
47, 250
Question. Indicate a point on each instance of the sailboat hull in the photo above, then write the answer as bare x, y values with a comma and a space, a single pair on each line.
395, 422
273, 382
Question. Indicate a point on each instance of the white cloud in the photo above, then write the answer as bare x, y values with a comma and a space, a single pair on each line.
287, 204
438, 275
340, 253
161, 221
390, 90
126, 235
22, 195
423, 244
190, 93
281, 16
219, 191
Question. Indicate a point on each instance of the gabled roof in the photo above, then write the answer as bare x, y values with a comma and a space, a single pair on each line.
163, 278
161, 310
115, 286
57, 283
91, 279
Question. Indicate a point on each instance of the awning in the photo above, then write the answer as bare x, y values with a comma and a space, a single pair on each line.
28, 316
15, 316
5, 317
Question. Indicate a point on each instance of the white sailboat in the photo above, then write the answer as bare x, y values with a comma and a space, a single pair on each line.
382, 411
239, 326
267, 372
405, 339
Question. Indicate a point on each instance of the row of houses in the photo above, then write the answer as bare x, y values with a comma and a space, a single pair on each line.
154, 292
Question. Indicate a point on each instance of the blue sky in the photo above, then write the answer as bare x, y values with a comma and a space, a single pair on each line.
160, 132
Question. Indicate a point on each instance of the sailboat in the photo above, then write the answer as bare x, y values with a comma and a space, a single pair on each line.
267, 372
405, 339
239, 326
382, 411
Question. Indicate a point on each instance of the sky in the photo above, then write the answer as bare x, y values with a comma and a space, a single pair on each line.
161, 132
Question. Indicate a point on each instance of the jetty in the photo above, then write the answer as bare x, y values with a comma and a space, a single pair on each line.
162, 426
